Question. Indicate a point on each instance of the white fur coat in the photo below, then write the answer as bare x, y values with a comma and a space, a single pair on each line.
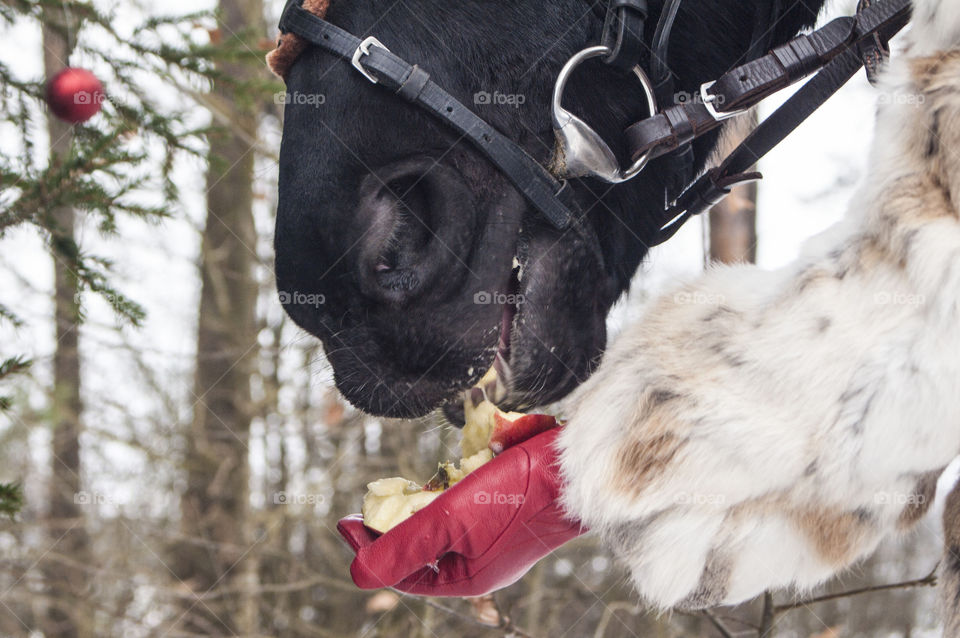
759, 430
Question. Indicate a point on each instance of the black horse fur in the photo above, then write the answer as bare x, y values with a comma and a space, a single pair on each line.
396, 240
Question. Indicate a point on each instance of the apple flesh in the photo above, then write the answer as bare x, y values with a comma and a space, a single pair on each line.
489, 427
449, 474
391, 501
488, 431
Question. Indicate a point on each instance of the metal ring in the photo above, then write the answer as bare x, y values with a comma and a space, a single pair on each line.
647, 85
559, 114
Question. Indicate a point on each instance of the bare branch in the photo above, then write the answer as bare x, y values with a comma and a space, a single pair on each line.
930, 580
505, 623
716, 623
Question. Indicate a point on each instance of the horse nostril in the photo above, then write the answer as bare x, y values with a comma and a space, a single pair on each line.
404, 213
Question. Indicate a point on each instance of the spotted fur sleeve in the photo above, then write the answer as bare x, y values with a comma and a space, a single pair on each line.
760, 429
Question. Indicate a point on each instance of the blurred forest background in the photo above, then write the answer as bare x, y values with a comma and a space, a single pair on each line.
172, 442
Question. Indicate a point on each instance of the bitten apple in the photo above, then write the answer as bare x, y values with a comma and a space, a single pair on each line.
391, 501
488, 431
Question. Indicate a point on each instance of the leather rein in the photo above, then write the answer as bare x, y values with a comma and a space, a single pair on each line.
834, 53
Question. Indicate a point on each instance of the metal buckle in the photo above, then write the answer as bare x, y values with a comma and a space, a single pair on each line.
362, 50
580, 151
709, 102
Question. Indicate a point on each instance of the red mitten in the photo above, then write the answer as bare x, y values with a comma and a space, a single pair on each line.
481, 535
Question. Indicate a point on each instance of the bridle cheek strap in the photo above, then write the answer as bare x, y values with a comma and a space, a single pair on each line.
371, 58
839, 49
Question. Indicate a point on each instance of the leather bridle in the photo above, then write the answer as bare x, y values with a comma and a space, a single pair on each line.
835, 53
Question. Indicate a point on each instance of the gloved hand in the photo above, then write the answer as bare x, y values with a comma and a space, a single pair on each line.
481, 535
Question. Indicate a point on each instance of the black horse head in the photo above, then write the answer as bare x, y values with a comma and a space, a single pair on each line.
411, 257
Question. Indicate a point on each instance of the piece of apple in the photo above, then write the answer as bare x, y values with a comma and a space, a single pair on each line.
391, 501
471, 463
479, 424
449, 474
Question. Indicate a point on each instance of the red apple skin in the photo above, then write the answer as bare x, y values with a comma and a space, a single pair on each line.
75, 95
507, 432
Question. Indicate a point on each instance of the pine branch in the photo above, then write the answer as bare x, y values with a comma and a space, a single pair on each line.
12, 366
118, 161
8, 315
9, 368
108, 170
11, 499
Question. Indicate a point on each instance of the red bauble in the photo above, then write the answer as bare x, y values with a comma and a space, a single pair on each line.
75, 95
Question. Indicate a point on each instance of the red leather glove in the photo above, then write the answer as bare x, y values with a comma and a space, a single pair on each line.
481, 535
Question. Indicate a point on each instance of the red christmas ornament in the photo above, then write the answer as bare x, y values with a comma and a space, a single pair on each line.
75, 95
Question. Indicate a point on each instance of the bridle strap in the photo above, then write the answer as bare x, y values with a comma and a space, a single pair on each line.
623, 30
746, 86
413, 84
717, 183
660, 73
875, 51
839, 49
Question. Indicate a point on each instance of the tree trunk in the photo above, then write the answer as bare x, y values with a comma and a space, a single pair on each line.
219, 547
733, 222
68, 615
